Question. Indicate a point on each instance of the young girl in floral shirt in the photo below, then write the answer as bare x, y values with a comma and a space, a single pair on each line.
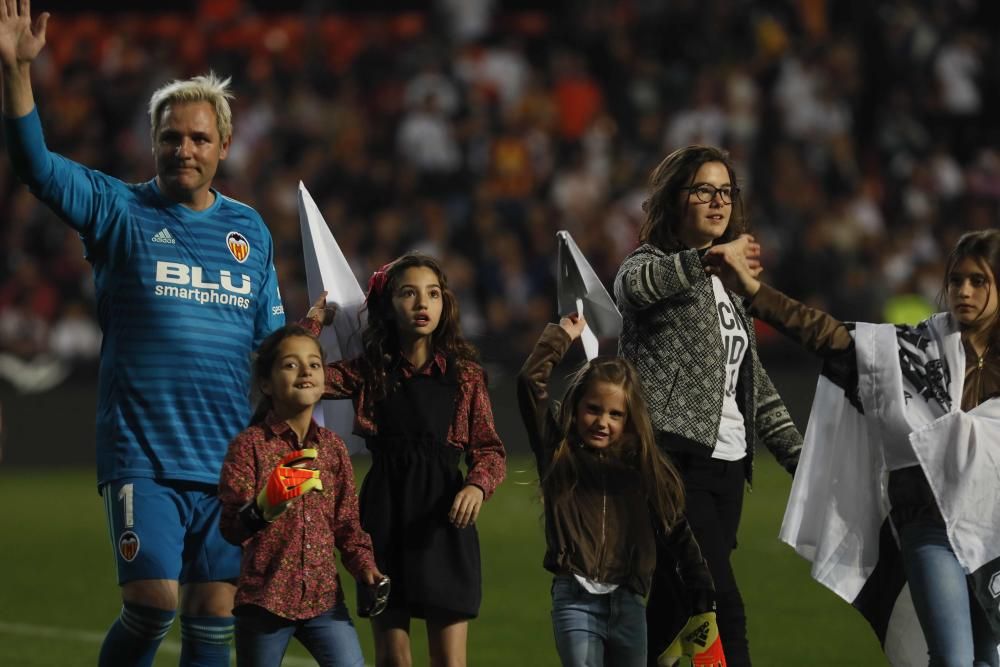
288, 498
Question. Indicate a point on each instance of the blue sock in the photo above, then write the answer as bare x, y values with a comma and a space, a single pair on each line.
205, 640
135, 636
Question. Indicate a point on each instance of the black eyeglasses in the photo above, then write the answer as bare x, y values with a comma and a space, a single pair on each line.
706, 193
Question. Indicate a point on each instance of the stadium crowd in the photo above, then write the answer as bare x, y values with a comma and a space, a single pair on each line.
473, 132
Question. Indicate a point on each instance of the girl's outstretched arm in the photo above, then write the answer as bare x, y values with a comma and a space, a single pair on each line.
343, 379
812, 328
533, 385
321, 311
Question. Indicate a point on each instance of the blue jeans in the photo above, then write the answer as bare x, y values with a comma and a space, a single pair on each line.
596, 630
953, 623
262, 638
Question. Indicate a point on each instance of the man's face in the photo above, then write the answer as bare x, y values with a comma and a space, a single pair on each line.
188, 149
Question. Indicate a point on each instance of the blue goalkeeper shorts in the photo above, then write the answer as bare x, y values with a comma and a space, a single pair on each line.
166, 529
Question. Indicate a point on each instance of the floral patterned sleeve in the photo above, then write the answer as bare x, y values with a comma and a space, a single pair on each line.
485, 453
353, 542
237, 485
343, 380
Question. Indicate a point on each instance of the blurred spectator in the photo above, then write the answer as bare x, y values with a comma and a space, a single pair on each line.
75, 337
427, 140
23, 334
703, 122
29, 291
466, 20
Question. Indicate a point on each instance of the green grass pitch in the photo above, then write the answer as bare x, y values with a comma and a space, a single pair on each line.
58, 593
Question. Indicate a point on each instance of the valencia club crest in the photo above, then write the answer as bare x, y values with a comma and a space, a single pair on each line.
238, 246
128, 545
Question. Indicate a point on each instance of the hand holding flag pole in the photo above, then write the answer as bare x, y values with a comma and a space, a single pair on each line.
327, 270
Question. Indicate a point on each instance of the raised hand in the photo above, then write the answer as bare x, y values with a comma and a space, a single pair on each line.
737, 264
20, 39
573, 324
321, 311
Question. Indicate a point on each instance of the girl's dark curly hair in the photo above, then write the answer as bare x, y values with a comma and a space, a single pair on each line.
380, 338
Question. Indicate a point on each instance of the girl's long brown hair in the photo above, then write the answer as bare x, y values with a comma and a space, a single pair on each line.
660, 481
380, 338
666, 206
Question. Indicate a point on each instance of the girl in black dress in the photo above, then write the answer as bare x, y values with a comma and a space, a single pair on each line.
420, 403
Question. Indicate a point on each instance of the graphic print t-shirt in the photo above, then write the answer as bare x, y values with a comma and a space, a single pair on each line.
732, 441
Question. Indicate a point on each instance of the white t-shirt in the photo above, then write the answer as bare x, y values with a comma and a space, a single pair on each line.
732, 440
595, 587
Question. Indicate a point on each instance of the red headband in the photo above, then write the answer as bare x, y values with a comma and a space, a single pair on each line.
378, 281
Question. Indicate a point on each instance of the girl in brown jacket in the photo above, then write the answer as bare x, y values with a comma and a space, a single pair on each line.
613, 505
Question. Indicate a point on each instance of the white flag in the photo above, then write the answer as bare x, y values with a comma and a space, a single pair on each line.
580, 290
327, 269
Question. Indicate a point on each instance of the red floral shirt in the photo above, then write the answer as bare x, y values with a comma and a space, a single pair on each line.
289, 567
471, 430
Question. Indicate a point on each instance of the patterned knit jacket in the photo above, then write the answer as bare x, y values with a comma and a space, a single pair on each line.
671, 333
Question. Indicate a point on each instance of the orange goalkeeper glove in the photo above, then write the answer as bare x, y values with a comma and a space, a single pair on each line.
698, 641
288, 482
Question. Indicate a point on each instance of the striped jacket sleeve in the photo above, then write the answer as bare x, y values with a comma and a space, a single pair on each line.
648, 276
775, 427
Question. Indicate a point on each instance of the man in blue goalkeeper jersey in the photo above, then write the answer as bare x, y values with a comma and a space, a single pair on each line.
186, 290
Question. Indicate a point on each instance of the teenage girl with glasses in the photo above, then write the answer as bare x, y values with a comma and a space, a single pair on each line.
693, 343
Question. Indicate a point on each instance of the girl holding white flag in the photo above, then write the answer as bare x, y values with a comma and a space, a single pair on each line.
614, 506
929, 393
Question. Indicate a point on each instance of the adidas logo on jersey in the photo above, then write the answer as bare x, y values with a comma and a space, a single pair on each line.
164, 236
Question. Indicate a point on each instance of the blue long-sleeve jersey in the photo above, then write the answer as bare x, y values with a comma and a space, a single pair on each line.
183, 298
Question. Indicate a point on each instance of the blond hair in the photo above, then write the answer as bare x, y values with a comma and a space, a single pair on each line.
206, 88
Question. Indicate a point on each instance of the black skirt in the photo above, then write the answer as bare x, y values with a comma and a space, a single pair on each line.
406, 497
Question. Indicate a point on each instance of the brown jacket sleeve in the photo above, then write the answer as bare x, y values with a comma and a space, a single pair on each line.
691, 565
533, 391
811, 328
